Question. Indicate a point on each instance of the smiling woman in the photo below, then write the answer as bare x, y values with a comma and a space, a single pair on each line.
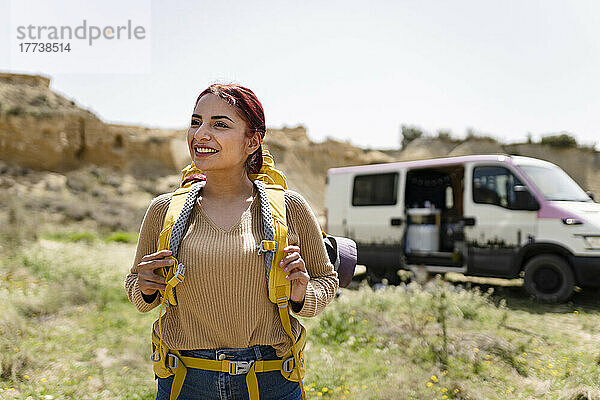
220, 139
222, 313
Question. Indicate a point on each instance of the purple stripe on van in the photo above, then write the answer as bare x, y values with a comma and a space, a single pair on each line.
550, 211
547, 209
417, 163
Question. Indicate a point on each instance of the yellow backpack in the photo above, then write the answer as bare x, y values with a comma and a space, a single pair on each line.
271, 185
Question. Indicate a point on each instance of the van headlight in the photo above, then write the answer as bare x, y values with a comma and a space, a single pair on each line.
593, 242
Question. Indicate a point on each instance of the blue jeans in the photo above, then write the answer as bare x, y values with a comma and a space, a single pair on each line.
211, 385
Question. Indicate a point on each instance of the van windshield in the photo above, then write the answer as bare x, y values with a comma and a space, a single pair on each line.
554, 183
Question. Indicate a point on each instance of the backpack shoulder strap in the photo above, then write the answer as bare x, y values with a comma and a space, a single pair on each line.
272, 207
174, 224
175, 206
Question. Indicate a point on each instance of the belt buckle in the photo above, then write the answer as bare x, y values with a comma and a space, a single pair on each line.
239, 367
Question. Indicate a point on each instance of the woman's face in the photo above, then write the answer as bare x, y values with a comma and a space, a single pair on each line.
217, 136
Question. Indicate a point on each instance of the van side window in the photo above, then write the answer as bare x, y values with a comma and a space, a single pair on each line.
494, 185
375, 190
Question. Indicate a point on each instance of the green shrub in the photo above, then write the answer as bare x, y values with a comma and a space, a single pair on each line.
472, 134
335, 327
409, 133
14, 111
39, 101
14, 357
563, 141
87, 237
344, 328
122, 237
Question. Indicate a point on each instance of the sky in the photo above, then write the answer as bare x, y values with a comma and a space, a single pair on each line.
357, 70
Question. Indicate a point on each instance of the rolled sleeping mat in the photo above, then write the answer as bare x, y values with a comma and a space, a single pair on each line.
342, 254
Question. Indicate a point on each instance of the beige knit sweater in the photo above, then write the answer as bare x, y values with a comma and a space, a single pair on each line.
223, 302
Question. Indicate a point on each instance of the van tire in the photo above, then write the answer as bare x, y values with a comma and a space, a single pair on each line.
549, 278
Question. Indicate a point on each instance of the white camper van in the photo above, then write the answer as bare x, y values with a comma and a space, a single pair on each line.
485, 215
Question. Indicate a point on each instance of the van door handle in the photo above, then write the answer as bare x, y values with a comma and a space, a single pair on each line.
469, 221
396, 221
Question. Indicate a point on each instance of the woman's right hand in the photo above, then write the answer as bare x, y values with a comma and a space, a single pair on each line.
148, 281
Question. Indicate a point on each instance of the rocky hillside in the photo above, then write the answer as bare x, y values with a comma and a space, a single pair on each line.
60, 164
43, 130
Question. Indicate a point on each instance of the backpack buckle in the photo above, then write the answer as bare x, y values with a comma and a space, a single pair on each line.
282, 302
266, 245
289, 364
239, 367
164, 302
172, 361
180, 272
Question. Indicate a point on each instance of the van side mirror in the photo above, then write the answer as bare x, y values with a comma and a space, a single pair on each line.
589, 193
524, 200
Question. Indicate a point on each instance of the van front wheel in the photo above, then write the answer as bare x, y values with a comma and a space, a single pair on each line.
549, 278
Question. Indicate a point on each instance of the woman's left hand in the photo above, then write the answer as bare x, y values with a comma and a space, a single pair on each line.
295, 267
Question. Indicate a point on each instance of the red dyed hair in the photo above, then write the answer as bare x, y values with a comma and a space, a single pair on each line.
250, 109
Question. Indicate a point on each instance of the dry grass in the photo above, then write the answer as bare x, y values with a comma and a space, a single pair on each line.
67, 330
